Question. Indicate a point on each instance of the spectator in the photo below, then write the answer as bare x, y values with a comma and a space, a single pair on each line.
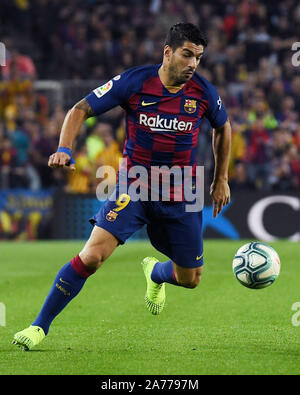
81, 180
19, 64
240, 182
94, 142
259, 156
295, 92
111, 154
8, 163
260, 110
248, 57
238, 147
294, 162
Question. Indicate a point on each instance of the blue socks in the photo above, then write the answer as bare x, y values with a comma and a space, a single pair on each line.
70, 280
163, 273
67, 284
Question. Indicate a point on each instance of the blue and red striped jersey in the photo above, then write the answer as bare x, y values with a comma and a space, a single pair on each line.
161, 127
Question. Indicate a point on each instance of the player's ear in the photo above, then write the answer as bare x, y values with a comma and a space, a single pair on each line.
168, 52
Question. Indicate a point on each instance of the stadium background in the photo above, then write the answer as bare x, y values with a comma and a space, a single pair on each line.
58, 51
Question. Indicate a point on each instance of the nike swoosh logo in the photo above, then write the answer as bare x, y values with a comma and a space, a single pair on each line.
148, 104
199, 257
64, 282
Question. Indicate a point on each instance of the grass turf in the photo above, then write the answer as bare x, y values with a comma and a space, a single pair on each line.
220, 327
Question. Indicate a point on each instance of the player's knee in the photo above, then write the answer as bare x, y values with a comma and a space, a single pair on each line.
91, 258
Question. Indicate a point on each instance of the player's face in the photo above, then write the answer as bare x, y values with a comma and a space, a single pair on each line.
184, 61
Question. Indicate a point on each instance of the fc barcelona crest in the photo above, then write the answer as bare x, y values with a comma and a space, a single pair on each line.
111, 216
190, 106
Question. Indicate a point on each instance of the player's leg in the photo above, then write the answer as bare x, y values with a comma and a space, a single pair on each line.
187, 277
170, 272
97, 249
179, 237
71, 277
114, 223
67, 284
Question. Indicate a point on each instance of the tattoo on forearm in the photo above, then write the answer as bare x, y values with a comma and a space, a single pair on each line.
84, 106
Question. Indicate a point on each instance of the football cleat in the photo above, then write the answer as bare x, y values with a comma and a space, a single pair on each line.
155, 296
29, 337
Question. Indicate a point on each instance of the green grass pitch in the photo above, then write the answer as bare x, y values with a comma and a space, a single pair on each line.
220, 327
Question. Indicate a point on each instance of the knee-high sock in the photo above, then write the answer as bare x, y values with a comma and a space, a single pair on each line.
163, 272
67, 284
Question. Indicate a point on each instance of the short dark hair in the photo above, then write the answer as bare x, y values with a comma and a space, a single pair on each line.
181, 32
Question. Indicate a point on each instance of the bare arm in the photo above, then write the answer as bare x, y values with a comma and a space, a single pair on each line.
219, 189
70, 129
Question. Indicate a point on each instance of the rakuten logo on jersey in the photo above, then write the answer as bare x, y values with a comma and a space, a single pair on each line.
160, 124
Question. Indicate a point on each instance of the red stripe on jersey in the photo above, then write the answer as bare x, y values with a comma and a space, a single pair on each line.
142, 155
153, 86
164, 142
192, 88
133, 101
169, 105
182, 158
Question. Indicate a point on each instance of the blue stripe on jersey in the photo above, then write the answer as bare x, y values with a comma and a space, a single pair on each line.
144, 139
183, 142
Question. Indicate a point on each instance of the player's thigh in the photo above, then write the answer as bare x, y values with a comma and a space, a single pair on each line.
185, 237
179, 237
114, 223
98, 247
121, 217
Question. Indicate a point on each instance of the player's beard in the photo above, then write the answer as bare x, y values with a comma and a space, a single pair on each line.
176, 76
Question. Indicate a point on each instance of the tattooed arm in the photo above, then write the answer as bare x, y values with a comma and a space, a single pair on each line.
70, 129
73, 122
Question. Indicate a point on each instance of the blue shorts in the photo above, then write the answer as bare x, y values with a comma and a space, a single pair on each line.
171, 230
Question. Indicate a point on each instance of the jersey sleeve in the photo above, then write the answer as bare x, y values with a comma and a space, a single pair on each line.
109, 95
216, 112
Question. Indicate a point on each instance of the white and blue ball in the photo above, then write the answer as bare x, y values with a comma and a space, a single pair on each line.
256, 265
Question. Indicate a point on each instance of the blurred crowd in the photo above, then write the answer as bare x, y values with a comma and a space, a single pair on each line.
249, 59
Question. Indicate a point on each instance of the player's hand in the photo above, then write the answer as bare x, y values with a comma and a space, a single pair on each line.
220, 193
61, 159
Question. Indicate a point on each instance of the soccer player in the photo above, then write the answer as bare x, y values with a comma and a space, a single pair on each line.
164, 105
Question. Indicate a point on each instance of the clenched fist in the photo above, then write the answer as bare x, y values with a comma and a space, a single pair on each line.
61, 159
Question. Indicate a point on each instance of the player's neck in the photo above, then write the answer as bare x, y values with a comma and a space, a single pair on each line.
167, 82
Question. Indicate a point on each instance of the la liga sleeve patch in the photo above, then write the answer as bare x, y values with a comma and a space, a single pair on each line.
103, 89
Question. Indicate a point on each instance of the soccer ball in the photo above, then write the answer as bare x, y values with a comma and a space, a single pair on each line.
256, 265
